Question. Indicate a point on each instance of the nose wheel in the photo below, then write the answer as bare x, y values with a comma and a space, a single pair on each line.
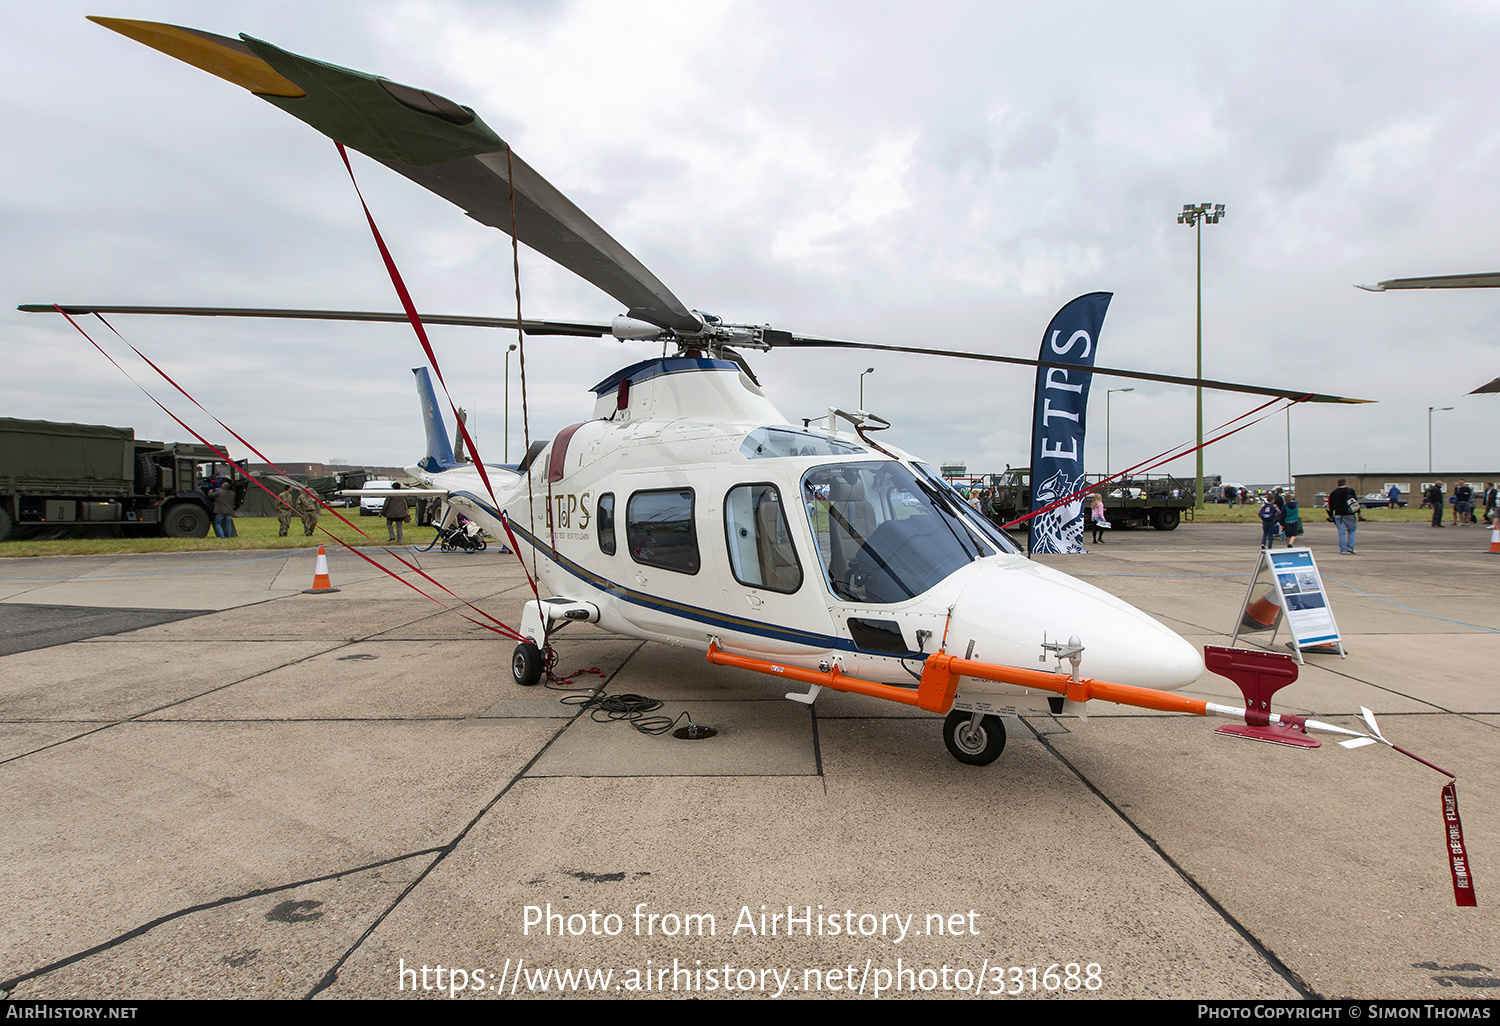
526, 666
976, 740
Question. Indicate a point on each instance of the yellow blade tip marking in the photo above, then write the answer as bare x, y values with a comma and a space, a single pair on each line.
243, 69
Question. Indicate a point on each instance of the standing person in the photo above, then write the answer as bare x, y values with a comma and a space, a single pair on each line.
307, 509
223, 499
285, 509
1491, 494
1463, 504
1270, 520
1291, 522
1100, 521
1394, 495
394, 512
1343, 504
1434, 498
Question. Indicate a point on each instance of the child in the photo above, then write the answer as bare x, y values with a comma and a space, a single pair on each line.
1096, 513
1270, 518
1291, 519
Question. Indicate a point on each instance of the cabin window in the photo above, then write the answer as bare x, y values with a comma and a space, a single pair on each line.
760, 544
606, 522
660, 530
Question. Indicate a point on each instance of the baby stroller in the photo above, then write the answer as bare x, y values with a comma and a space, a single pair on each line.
462, 534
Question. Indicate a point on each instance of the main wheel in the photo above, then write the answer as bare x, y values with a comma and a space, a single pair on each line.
185, 520
976, 745
526, 666
1166, 519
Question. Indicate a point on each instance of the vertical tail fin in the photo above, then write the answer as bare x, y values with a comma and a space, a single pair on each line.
439, 451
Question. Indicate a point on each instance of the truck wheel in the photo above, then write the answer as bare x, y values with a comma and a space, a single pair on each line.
526, 665
185, 520
977, 746
5, 524
1166, 519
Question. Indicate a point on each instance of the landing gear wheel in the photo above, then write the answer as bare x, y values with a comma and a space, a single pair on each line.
976, 745
526, 666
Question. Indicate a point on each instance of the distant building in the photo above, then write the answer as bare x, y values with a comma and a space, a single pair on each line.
306, 471
1412, 485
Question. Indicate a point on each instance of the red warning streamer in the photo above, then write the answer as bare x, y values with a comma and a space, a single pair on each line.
1458, 859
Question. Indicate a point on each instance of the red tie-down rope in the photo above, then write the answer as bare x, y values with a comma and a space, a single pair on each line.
499, 626
416, 324
1164, 457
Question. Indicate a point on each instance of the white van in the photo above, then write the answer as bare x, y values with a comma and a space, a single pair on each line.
373, 505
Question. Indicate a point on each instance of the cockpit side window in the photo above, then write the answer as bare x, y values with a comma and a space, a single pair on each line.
761, 553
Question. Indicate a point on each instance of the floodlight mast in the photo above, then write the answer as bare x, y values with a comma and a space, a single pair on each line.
1193, 215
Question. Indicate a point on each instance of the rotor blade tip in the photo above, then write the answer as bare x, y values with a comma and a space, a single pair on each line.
226, 58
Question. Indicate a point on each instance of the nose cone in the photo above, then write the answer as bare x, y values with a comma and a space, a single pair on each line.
1008, 605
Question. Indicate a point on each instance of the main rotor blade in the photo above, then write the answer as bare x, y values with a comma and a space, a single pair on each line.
439, 144
1488, 388
785, 339
581, 329
1442, 281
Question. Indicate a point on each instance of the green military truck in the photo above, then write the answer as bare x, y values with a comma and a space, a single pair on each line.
1146, 500
87, 475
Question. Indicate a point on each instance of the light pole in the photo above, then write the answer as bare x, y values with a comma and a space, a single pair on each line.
512, 349
1193, 215
862, 386
1107, 394
1429, 433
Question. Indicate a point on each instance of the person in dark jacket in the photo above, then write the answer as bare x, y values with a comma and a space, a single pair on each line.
1434, 497
394, 512
224, 500
1343, 506
1270, 520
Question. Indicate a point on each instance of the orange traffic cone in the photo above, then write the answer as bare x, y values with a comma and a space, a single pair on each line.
1495, 536
1261, 614
321, 584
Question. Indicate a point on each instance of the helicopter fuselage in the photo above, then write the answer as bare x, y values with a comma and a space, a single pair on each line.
689, 511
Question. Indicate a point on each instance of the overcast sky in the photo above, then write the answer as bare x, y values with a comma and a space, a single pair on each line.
944, 174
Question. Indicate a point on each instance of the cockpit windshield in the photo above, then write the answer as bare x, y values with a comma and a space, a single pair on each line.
887, 535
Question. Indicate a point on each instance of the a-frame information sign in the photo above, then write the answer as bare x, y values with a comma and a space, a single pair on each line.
1286, 586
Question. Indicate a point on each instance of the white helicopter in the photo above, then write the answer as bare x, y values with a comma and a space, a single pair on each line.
687, 509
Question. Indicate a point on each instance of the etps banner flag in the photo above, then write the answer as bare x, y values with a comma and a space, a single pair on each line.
1057, 429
